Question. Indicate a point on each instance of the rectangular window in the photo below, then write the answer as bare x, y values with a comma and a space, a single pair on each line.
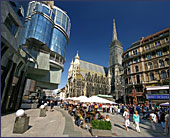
159, 53
11, 24
135, 52
147, 47
159, 43
167, 40
151, 76
148, 56
129, 70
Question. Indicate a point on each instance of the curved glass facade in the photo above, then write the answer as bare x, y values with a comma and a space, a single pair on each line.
50, 26
58, 43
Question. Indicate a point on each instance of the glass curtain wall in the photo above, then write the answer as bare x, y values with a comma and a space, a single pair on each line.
50, 26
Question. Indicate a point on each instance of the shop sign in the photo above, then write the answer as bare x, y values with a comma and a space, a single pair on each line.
157, 97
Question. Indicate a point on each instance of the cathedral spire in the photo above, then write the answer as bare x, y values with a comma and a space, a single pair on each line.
114, 31
77, 55
77, 58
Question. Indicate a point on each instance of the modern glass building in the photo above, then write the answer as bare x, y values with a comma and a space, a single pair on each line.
46, 35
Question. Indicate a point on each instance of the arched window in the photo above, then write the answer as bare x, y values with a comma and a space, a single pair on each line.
151, 76
150, 65
161, 63
167, 61
137, 68
163, 74
138, 78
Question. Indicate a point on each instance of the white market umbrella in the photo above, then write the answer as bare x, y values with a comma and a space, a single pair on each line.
74, 98
165, 104
85, 100
69, 98
81, 98
97, 99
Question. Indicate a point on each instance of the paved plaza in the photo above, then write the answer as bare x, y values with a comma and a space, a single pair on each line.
118, 128
60, 124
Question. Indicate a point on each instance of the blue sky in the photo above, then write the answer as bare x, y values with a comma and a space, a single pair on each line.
92, 25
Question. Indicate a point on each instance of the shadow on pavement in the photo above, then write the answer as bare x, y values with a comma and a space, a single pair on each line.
29, 127
117, 125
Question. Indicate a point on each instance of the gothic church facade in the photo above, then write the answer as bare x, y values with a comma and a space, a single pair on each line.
87, 79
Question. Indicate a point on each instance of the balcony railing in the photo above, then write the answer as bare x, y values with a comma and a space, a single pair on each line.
154, 48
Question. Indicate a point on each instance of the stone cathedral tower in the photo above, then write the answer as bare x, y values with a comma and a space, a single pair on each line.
115, 66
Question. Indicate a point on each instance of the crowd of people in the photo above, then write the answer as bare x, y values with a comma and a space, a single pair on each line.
84, 113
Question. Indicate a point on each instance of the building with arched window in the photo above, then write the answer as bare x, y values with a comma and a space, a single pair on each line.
86, 79
148, 62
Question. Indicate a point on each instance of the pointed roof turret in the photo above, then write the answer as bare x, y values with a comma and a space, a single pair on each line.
114, 31
77, 56
77, 59
72, 62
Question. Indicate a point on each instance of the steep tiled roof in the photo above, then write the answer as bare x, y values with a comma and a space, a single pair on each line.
86, 67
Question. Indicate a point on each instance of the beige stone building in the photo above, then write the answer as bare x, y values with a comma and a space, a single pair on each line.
146, 64
86, 79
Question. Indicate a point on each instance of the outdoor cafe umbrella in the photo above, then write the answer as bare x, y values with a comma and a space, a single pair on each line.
85, 100
96, 99
81, 98
164, 104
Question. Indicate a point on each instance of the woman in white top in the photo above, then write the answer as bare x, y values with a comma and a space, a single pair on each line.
153, 120
111, 109
126, 117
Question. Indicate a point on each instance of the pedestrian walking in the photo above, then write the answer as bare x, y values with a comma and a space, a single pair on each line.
167, 123
136, 120
52, 105
126, 117
153, 120
162, 119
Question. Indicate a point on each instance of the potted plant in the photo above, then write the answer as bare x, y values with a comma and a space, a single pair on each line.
101, 128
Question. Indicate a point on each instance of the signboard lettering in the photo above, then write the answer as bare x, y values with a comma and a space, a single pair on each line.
157, 97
